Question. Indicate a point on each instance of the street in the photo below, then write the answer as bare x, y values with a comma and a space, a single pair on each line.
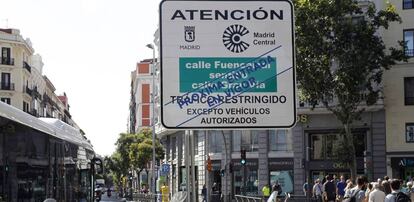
114, 197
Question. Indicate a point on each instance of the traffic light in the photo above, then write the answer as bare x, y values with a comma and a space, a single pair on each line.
243, 157
222, 172
231, 167
209, 166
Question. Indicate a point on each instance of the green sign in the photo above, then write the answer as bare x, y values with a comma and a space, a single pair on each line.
197, 73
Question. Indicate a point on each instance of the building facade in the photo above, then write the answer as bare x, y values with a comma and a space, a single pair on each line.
141, 107
23, 84
399, 96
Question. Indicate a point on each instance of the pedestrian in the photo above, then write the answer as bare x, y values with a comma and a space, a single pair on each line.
266, 191
357, 192
329, 189
386, 186
165, 192
317, 190
307, 191
395, 188
396, 194
370, 188
340, 188
376, 195
204, 193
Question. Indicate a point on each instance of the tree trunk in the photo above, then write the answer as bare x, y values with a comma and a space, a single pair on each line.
350, 139
139, 180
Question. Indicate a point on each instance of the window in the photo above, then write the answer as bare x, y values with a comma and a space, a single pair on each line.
250, 140
323, 145
278, 140
247, 140
236, 140
25, 106
409, 90
5, 81
215, 141
408, 4
409, 39
6, 56
409, 131
5, 100
284, 178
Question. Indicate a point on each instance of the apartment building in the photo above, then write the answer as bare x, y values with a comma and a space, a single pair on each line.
399, 96
141, 89
23, 84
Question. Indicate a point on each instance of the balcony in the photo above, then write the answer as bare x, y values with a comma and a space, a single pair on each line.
33, 112
27, 90
409, 52
27, 67
7, 86
7, 61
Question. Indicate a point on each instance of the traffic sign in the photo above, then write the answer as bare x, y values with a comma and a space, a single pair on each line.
227, 64
165, 168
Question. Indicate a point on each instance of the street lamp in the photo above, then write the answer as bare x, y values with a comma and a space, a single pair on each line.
151, 46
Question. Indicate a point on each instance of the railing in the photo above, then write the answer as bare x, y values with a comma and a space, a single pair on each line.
7, 61
7, 86
241, 198
145, 197
33, 112
27, 66
27, 90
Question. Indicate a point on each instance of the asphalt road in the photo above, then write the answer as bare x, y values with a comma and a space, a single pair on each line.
114, 197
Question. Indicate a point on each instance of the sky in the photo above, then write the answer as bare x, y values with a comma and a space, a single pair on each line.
89, 48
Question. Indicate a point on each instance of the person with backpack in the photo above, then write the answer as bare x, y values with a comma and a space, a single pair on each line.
396, 195
356, 194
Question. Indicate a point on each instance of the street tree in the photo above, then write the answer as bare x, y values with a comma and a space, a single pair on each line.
124, 142
341, 58
116, 169
140, 153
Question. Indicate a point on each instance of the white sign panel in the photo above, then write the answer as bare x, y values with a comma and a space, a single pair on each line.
227, 64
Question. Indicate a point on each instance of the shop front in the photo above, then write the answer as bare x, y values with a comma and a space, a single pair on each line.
402, 167
281, 171
246, 177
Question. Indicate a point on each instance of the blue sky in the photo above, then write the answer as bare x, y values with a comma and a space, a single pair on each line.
89, 48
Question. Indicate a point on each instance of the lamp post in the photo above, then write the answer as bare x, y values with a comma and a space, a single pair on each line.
151, 46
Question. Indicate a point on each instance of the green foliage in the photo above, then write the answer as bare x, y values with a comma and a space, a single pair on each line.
134, 151
341, 56
140, 153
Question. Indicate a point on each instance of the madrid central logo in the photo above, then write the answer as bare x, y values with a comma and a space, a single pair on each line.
232, 38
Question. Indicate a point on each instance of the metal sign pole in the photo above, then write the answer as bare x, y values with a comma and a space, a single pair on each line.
193, 176
187, 166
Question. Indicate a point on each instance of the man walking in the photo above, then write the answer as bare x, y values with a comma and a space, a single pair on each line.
377, 195
329, 189
357, 191
317, 190
340, 188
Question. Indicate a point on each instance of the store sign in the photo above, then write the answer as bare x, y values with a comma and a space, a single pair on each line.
227, 64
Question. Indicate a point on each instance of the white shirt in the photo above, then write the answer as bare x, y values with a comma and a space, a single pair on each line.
317, 189
376, 196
